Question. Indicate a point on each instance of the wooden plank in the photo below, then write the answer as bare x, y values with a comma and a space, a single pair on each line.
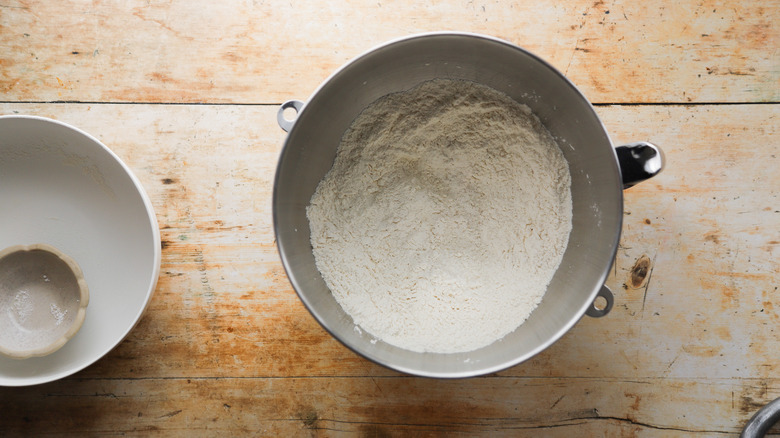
385, 406
267, 52
706, 308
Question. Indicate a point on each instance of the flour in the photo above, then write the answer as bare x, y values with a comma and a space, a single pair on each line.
444, 217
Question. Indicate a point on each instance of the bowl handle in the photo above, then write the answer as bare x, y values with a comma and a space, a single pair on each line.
639, 161
285, 123
598, 312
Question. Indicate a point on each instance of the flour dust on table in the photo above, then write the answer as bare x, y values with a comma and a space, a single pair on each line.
444, 217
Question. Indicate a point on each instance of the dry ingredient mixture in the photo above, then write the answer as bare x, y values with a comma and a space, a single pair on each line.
444, 217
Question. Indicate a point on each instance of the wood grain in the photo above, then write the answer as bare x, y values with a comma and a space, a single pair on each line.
271, 51
385, 406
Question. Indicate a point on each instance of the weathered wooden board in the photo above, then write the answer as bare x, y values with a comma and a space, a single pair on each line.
705, 306
385, 406
226, 348
270, 51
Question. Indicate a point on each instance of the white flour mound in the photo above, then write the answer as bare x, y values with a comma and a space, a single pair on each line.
444, 217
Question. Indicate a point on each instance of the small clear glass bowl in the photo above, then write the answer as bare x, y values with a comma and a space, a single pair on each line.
43, 300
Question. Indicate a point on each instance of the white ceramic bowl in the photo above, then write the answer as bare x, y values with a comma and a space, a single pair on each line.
61, 186
43, 300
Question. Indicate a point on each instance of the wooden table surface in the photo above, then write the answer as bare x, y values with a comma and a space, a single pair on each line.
186, 93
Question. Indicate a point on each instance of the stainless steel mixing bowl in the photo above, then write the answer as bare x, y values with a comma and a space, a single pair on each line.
599, 173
